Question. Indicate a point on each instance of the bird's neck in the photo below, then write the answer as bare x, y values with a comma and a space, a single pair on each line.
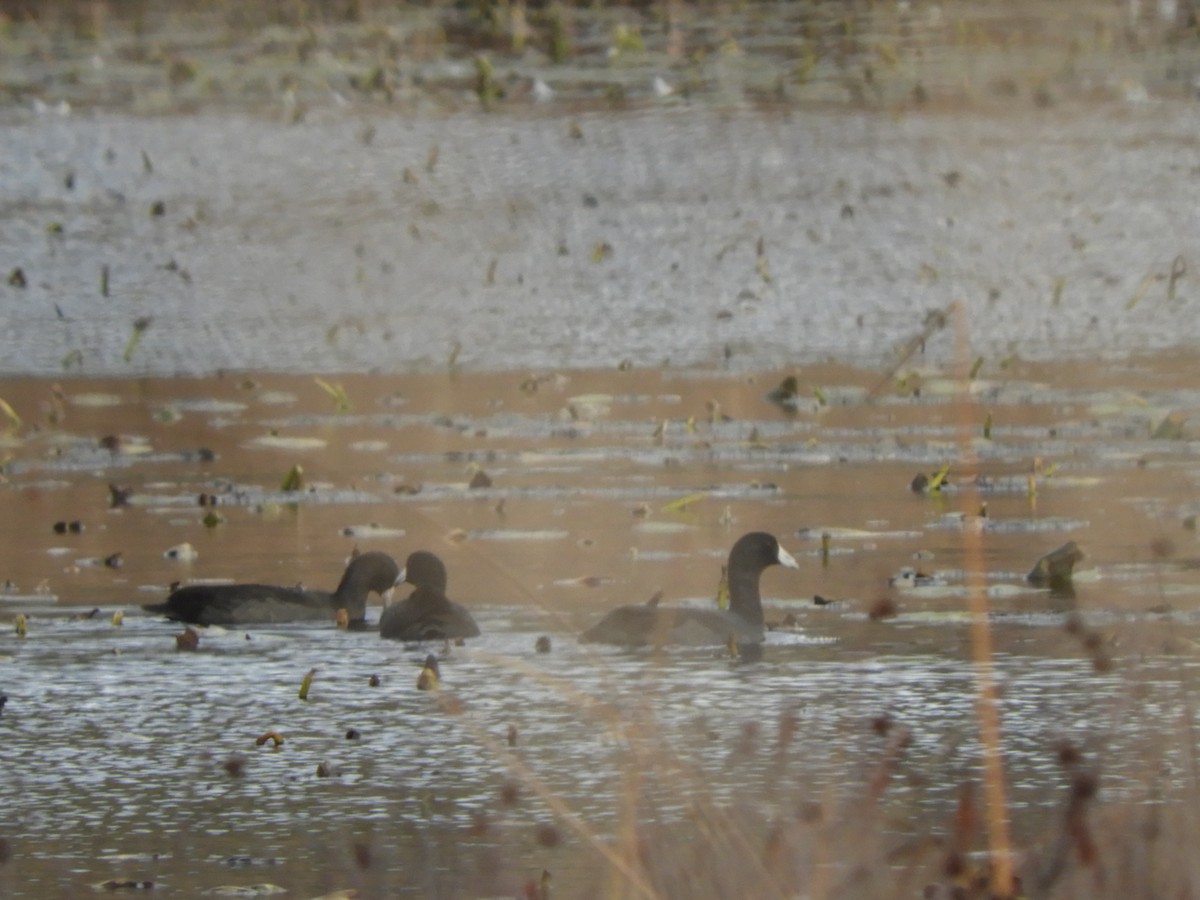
744, 598
351, 595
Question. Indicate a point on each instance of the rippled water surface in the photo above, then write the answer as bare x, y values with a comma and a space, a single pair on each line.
128, 759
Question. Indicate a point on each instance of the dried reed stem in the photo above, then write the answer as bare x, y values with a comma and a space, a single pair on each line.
996, 807
623, 859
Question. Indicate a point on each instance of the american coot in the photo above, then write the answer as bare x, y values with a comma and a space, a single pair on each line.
426, 614
742, 622
255, 604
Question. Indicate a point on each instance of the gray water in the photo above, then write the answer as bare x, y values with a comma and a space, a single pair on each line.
301, 249
791, 202
117, 748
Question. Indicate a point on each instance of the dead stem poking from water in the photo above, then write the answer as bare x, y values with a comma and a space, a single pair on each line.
934, 322
981, 637
623, 863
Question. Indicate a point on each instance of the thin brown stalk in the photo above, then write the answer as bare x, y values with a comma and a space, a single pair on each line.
627, 868
995, 802
934, 322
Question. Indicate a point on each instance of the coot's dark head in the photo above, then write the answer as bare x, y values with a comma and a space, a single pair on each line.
751, 554
367, 572
755, 551
423, 569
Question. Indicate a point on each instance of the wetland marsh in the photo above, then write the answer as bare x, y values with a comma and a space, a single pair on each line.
283, 281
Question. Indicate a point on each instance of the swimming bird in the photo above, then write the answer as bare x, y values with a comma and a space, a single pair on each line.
257, 604
651, 624
907, 578
426, 614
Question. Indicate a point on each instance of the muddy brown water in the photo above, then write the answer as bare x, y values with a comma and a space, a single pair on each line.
116, 745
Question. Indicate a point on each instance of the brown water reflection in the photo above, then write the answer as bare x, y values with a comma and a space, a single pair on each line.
116, 744
584, 468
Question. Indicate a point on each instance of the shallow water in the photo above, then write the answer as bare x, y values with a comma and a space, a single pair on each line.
116, 745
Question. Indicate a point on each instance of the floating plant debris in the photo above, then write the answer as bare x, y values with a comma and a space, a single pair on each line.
113, 885
908, 578
277, 398
684, 503
1171, 428
511, 534
786, 394
251, 890
293, 480
306, 683
930, 484
582, 581
189, 640
10, 413
1178, 270
372, 530
337, 393
284, 442
244, 862
184, 552
1054, 570
652, 527
430, 677
883, 608
139, 328
94, 399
